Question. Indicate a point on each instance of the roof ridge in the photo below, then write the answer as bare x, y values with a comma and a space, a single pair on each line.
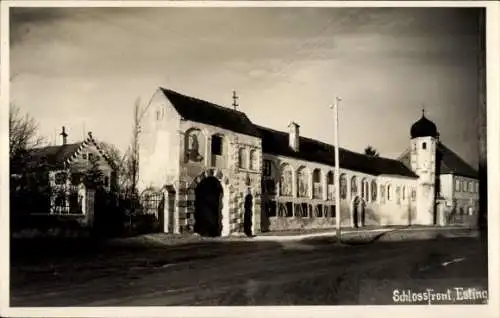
458, 157
203, 100
325, 143
56, 146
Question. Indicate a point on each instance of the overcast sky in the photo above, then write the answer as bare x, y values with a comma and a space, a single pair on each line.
85, 67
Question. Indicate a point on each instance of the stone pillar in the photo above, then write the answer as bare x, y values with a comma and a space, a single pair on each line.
324, 185
208, 148
166, 216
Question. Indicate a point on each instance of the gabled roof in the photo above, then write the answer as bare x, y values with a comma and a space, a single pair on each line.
58, 157
449, 162
452, 163
277, 143
190, 108
54, 156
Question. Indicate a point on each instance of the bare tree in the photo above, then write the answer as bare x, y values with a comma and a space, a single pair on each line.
371, 152
23, 132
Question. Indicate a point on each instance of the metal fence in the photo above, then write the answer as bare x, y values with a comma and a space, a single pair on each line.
150, 201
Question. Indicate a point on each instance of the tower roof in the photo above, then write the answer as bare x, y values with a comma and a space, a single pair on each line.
424, 128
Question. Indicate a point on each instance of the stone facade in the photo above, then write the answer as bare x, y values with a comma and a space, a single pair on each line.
371, 192
285, 192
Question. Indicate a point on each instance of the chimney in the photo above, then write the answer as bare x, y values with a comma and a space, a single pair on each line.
64, 136
293, 134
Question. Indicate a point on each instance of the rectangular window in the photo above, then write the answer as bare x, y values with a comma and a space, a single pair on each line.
267, 168
457, 185
332, 210
271, 209
270, 186
216, 145
289, 209
305, 210
319, 211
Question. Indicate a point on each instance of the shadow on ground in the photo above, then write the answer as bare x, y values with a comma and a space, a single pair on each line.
237, 272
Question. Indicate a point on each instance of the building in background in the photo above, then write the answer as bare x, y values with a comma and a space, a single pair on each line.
221, 174
52, 178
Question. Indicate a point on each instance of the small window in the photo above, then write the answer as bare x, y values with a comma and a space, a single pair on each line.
76, 178
61, 177
457, 185
84, 156
388, 193
332, 210
330, 178
289, 209
424, 145
316, 176
106, 181
91, 156
305, 210
267, 168
271, 208
243, 158
319, 211
216, 145
158, 114
253, 159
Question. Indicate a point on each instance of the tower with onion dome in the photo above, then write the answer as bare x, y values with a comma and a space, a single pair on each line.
424, 140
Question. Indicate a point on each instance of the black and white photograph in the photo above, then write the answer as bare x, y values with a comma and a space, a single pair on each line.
193, 157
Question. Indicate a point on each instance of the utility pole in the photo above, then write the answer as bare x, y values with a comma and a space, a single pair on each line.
135, 146
335, 107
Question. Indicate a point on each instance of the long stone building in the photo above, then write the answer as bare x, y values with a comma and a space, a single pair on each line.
221, 174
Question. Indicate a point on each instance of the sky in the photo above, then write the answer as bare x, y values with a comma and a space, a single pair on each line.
84, 68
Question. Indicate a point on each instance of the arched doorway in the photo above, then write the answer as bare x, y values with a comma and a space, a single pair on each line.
358, 212
208, 207
248, 214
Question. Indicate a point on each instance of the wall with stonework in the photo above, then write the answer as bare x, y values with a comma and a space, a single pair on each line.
240, 180
379, 209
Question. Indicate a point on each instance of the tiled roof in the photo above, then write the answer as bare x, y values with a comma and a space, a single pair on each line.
201, 111
277, 143
452, 163
56, 157
449, 162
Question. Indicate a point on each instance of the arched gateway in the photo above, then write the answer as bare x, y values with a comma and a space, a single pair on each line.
211, 204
